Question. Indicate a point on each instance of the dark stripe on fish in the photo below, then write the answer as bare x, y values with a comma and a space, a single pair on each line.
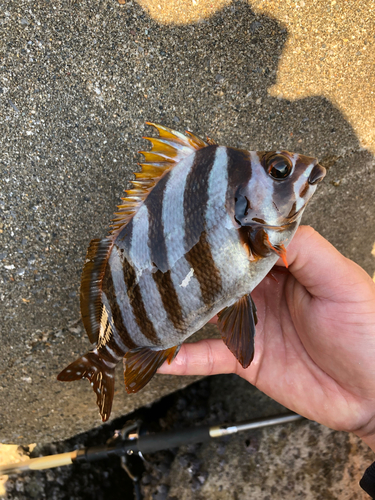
119, 352
293, 209
239, 174
109, 352
196, 195
123, 240
283, 192
208, 275
113, 346
154, 203
303, 190
136, 301
110, 337
109, 289
169, 298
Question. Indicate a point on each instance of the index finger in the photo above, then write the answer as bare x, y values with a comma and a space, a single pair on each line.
206, 357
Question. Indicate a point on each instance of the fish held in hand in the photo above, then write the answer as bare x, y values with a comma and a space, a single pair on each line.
201, 227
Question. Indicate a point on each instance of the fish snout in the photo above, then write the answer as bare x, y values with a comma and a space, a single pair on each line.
317, 174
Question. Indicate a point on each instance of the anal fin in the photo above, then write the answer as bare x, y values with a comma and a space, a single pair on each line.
140, 365
237, 327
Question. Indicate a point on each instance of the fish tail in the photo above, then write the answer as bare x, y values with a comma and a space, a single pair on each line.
101, 375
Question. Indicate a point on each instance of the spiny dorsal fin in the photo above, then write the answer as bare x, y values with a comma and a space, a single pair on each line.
211, 142
91, 286
167, 150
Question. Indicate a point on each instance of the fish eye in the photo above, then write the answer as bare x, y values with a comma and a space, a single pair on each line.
279, 166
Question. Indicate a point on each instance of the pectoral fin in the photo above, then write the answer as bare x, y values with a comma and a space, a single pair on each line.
237, 326
140, 365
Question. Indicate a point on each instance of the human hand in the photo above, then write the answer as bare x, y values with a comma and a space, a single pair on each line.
315, 339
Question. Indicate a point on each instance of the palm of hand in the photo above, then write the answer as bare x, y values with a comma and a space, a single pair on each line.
314, 353
315, 339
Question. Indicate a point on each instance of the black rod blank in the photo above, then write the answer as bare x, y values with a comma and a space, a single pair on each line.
147, 443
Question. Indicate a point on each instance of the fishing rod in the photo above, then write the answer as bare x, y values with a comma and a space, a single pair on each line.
131, 441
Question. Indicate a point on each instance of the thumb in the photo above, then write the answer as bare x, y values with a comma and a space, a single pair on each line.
319, 267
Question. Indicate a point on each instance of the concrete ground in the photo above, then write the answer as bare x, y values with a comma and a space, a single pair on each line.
77, 82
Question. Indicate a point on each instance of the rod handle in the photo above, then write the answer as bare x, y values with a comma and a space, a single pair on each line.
150, 443
39, 463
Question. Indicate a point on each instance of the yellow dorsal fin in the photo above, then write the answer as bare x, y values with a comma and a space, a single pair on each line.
167, 150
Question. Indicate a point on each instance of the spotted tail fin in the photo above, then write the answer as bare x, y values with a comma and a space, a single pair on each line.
100, 373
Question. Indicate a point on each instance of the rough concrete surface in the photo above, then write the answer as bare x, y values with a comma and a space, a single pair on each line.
77, 82
302, 460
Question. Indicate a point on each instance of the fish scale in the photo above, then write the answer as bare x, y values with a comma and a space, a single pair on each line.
196, 195
203, 225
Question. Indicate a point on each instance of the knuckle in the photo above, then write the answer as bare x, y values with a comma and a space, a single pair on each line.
210, 358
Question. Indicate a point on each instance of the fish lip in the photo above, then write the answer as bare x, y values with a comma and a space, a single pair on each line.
287, 221
317, 174
269, 226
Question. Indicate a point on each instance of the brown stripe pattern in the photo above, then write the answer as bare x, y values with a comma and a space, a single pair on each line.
169, 298
123, 240
199, 254
135, 297
239, 174
109, 289
156, 238
196, 195
205, 270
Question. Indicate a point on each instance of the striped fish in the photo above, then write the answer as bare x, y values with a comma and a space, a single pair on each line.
202, 226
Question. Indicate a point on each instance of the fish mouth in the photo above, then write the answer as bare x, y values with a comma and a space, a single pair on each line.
281, 227
287, 221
